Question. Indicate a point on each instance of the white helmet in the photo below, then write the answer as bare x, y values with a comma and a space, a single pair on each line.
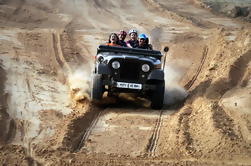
133, 31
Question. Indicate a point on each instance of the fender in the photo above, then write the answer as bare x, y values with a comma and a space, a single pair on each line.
103, 69
157, 74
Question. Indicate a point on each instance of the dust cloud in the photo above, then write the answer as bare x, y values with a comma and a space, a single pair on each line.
79, 83
173, 91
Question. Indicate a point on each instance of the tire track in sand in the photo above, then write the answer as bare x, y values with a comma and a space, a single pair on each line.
153, 141
87, 132
58, 52
79, 128
190, 83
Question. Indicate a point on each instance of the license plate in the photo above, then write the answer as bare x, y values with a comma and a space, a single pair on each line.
129, 85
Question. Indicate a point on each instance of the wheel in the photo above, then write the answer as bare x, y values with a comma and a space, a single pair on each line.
158, 95
97, 87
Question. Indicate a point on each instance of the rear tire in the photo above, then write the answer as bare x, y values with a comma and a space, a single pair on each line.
97, 87
158, 95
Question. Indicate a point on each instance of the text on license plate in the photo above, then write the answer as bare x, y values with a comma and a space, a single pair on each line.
129, 85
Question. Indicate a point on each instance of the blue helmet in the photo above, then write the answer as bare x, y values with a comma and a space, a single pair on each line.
142, 36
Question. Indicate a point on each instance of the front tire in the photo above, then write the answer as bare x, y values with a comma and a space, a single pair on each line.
97, 87
158, 95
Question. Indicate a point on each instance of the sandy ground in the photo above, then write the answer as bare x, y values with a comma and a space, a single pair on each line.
46, 57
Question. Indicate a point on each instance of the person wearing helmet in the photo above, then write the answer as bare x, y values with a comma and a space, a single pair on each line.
113, 40
122, 35
133, 42
143, 42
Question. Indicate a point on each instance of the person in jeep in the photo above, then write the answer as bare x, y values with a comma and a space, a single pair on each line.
144, 42
113, 40
122, 35
133, 42
149, 45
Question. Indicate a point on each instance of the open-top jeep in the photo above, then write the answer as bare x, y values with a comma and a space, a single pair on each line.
129, 70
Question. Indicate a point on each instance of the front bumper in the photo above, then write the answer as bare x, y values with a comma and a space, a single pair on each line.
128, 86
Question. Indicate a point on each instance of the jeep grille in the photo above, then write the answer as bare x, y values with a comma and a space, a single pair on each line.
129, 70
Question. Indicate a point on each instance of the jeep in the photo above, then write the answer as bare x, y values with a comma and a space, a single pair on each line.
129, 70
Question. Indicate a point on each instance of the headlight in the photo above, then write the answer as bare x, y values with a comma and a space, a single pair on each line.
115, 64
145, 68
100, 59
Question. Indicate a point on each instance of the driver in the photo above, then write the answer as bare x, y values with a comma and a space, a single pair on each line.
144, 42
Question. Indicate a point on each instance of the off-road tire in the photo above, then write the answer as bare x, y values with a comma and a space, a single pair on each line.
157, 97
97, 87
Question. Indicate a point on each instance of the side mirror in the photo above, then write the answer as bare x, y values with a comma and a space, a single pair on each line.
166, 49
